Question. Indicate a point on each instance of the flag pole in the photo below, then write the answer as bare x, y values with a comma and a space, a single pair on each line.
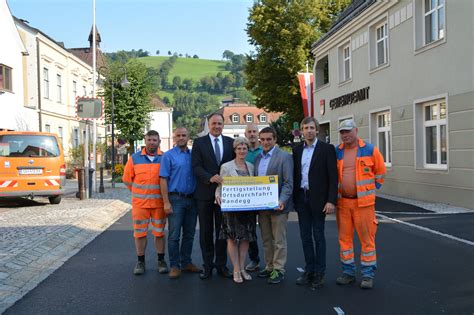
94, 126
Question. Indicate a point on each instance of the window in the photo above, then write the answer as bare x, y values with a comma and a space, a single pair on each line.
235, 118
249, 118
60, 134
47, 128
381, 44
45, 83
383, 141
322, 72
434, 20
345, 63
75, 139
5, 78
58, 86
85, 90
434, 134
74, 89
263, 118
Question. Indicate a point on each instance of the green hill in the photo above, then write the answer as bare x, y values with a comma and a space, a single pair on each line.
188, 68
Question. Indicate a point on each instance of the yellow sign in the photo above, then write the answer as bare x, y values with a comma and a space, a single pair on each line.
247, 193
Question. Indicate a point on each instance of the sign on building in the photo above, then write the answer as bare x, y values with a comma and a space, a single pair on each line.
88, 108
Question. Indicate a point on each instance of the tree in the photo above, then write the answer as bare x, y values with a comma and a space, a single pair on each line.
282, 32
157, 52
132, 103
195, 56
227, 55
176, 82
169, 53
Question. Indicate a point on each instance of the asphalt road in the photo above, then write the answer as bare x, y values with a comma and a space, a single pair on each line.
419, 273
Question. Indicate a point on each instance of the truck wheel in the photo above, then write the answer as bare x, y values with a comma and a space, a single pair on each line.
54, 200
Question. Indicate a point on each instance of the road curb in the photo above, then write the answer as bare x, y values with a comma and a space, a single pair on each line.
23, 271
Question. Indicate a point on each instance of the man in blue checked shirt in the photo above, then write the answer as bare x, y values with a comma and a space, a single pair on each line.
178, 183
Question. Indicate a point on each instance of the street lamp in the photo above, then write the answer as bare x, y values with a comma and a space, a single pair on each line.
124, 83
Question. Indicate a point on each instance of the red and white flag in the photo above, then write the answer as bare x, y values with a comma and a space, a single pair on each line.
306, 89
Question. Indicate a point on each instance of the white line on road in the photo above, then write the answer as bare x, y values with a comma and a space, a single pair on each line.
338, 310
428, 230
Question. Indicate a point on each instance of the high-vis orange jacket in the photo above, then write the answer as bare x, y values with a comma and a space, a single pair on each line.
142, 177
370, 172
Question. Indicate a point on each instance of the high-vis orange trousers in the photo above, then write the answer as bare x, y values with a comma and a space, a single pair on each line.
349, 217
142, 217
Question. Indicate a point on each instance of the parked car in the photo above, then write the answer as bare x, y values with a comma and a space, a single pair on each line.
31, 164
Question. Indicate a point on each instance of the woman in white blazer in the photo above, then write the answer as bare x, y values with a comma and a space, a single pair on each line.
238, 227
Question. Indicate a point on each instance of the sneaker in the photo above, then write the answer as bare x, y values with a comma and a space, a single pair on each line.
139, 268
264, 273
162, 266
305, 279
345, 279
174, 273
252, 266
367, 283
275, 277
317, 282
191, 268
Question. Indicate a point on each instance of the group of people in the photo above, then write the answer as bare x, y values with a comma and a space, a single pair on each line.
318, 179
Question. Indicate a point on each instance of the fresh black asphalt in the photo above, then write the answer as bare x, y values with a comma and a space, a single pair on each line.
419, 273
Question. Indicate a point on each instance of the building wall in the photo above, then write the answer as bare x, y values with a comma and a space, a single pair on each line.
11, 102
52, 111
413, 75
162, 121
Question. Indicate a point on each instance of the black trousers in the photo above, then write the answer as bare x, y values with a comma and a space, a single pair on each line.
253, 249
210, 219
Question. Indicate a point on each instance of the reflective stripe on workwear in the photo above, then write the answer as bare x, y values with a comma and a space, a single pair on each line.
365, 193
140, 222
367, 254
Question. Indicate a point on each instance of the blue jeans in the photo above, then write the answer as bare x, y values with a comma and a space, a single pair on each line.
184, 217
312, 227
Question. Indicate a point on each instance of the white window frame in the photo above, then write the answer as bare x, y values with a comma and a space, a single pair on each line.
59, 87
319, 73
374, 123
384, 40
76, 140
235, 119
348, 59
263, 118
47, 128
6, 74
45, 83
435, 11
249, 118
74, 89
84, 90
435, 123
61, 135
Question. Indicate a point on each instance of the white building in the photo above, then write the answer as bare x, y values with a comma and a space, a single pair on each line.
12, 55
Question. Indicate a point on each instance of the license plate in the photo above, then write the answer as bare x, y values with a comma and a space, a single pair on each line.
30, 171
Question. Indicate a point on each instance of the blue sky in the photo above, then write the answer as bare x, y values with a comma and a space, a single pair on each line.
202, 27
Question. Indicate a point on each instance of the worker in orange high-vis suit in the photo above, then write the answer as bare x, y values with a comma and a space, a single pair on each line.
142, 177
361, 170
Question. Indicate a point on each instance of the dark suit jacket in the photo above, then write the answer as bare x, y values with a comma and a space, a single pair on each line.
205, 165
322, 175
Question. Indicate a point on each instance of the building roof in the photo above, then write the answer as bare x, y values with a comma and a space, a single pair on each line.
353, 10
242, 110
157, 103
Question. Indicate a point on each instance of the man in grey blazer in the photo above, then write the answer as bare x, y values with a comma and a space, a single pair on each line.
273, 223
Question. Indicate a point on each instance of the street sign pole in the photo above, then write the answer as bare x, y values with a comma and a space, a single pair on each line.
94, 123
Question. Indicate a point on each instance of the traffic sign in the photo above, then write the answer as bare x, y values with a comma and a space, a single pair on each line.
89, 108
296, 125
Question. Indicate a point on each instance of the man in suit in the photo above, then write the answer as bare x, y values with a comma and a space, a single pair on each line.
208, 154
315, 195
273, 223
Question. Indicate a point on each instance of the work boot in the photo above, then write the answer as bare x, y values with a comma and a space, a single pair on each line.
367, 283
345, 279
139, 268
162, 266
174, 273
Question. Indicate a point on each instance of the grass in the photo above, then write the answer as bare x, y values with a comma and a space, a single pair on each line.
188, 68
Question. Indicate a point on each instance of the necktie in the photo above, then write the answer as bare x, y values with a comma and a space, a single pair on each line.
217, 150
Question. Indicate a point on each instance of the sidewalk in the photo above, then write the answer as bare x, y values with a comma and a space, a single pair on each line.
37, 240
